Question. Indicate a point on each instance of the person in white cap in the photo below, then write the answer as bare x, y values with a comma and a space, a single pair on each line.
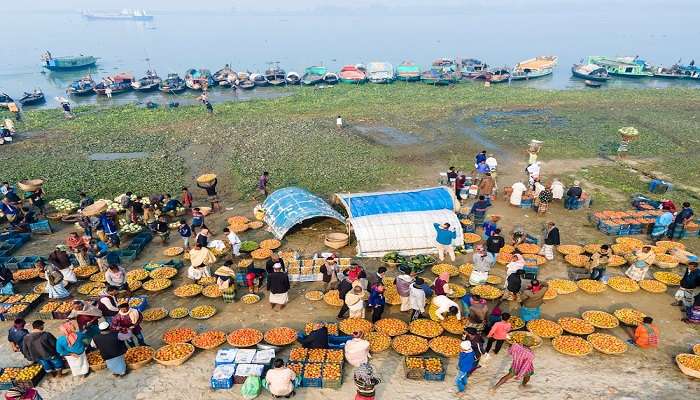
465, 365
111, 349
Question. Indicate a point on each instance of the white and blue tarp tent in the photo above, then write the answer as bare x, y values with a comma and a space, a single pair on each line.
400, 221
290, 206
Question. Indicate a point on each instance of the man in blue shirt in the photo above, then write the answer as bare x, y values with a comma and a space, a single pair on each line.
480, 157
464, 365
683, 216
445, 236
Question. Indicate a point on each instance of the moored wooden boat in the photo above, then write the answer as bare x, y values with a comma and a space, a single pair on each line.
120, 83
246, 84
259, 80
470, 68
628, 67
494, 75
275, 75
672, 72
691, 71
5, 100
67, 63
380, 72
591, 72
82, 87
443, 65
32, 98
172, 84
352, 74
148, 83
330, 78
438, 78
199, 79
293, 78
534, 68
592, 84
225, 76
313, 75
407, 71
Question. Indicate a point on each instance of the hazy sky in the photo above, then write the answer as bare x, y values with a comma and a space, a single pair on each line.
209, 5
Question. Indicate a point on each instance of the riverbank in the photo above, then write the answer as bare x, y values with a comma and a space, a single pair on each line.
393, 136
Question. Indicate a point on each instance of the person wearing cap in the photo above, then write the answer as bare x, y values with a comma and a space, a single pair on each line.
226, 281
111, 349
357, 349
444, 238
644, 258
59, 259
116, 276
278, 286
127, 323
573, 195
522, 366
465, 365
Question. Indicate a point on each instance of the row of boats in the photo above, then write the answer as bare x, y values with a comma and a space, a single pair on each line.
601, 69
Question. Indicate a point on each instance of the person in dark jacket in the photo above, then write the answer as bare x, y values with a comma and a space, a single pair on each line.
375, 278
690, 281
274, 259
377, 301
317, 338
573, 195
7, 286
59, 258
344, 287
330, 270
39, 346
551, 239
111, 349
16, 334
162, 229
212, 196
278, 286
515, 281
495, 243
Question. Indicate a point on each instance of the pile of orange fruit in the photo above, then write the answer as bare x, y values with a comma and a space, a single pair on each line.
591, 286
426, 328
669, 278
280, 336
577, 326
155, 285
571, 345
312, 371
653, 286
244, 337
138, 354
211, 291
209, 339
331, 371
261, 254
173, 352
189, 290
350, 325
178, 335
453, 325
607, 344
487, 291
623, 284
600, 319
446, 345
410, 345
391, 326
25, 274
336, 356
563, 286
95, 358
163, 273
298, 354
544, 328
629, 316
316, 355
154, 314
332, 297
433, 365
378, 341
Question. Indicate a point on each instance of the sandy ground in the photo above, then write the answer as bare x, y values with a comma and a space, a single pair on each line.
638, 374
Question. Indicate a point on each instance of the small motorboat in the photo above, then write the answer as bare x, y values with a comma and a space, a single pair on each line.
120, 83
172, 84
534, 68
407, 71
148, 83
246, 84
437, 77
259, 80
313, 75
494, 75
470, 68
592, 84
225, 76
276, 75
82, 87
293, 78
672, 72
32, 98
352, 74
5, 100
590, 72
380, 72
199, 79
331, 78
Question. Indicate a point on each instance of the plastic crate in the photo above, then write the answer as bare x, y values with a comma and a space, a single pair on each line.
312, 382
32, 383
175, 263
144, 302
126, 255
12, 264
333, 383
219, 384
429, 376
576, 274
42, 227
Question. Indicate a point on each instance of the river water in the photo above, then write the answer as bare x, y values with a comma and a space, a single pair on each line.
174, 42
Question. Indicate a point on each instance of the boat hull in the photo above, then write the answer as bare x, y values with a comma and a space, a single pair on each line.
593, 78
83, 92
408, 78
55, 68
32, 101
530, 75
172, 89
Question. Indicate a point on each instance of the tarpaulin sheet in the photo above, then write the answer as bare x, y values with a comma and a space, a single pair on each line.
364, 204
290, 206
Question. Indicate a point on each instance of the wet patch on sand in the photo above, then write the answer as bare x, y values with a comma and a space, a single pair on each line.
386, 135
118, 156
533, 117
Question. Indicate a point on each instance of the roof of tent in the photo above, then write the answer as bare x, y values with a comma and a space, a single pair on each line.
364, 204
290, 206
407, 232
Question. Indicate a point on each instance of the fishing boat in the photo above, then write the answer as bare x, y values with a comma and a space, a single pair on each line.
591, 72
593, 84
120, 83
32, 98
148, 83
225, 76
199, 79
407, 71
691, 71
259, 80
470, 68
672, 72
67, 63
172, 84
82, 87
244, 82
380, 72
313, 75
534, 68
436, 77
293, 78
352, 74
628, 67
5, 100
494, 75
331, 78
443, 65
275, 75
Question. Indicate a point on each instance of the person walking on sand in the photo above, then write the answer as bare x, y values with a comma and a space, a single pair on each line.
465, 365
522, 367
498, 334
330, 270
444, 238
339, 122
212, 196
551, 239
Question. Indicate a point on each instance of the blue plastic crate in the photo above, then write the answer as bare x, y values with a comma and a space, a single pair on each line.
312, 382
428, 376
126, 255
25, 265
113, 257
41, 227
144, 303
12, 264
219, 384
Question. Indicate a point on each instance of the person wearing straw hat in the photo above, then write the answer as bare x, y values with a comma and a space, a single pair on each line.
226, 282
465, 365
278, 286
522, 367
111, 349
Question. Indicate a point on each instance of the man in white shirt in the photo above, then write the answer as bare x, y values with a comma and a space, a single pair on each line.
445, 305
339, 122
491, 162
4, 188
557, 189
235, 242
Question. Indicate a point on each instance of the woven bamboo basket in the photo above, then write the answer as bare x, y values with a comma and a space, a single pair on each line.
30, 185
179, 361
95, 209
206, 179
686, 370
143, 363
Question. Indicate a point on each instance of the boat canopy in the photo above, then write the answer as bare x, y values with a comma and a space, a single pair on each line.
591, 69
287, 207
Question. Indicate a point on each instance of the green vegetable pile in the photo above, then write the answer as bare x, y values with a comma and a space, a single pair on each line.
248, 246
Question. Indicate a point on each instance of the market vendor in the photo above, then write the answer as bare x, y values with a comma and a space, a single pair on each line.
226, 281
86, 315
6, 281
99, 250
684, 216
688, 287
355, 301
441, 284
483, 261
444, 238
557, 189
200, 259
10, 210
78, 246
317, 338
357, 349
643, 259
278, 286
280, 380
162, 229
59, 259
573, 195
532, 299
116, 276
661, 225
487, 185
478, 210
551, 239
127, 323
599, 261
330, 270
107, 303
110, 229
645, 335
170, 204
445, 306
516, 196
55, 285
274, 259
254, 278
